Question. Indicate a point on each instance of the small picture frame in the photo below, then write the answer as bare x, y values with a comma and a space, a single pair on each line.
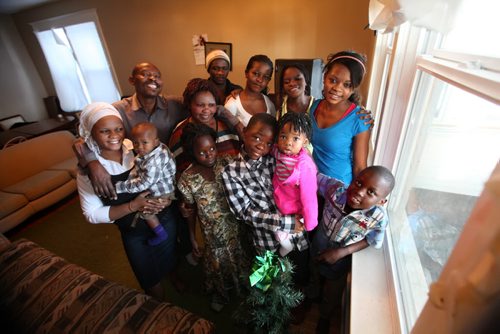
226, 47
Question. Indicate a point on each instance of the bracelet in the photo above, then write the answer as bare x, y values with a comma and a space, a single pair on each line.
130, 206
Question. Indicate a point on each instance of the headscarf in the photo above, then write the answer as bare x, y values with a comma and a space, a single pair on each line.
90, 115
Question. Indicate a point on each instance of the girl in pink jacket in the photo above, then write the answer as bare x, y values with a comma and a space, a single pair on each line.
294, 179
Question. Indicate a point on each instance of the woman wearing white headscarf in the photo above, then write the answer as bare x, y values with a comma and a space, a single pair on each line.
101, 127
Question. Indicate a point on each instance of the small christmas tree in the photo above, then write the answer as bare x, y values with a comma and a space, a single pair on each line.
267, 307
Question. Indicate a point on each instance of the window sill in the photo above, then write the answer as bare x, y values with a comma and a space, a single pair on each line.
371, 308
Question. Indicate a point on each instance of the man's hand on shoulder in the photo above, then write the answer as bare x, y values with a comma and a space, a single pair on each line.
367, 116
101, 180
80, 149
234, 94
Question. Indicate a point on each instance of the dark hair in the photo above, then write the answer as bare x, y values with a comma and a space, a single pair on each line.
145, 126
302, 69
263, 118
259, 59
300, 122
357, 68
193, 131
384, 173
195, 86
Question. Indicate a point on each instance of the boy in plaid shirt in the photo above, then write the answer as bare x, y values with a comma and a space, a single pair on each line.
154, 171
353, 219
249, 189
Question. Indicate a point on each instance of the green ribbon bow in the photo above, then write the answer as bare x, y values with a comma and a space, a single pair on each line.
265, 269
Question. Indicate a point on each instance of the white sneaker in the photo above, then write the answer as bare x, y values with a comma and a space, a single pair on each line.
286, 246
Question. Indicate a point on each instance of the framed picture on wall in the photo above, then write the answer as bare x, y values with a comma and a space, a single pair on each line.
226, 47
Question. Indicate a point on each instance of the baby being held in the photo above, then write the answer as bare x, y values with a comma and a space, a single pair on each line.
154, 171
294, 179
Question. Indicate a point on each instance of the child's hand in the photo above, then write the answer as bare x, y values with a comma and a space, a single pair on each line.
150, 206
331, 255
299, 224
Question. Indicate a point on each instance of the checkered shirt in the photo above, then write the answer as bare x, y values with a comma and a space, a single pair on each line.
249, 191
348, 228
154, 172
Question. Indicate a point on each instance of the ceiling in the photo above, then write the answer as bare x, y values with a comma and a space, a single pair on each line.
14, 6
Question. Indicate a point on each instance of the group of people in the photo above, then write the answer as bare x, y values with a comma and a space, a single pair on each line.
294, 181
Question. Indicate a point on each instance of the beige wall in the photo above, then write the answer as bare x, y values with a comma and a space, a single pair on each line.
160, 31
21, 90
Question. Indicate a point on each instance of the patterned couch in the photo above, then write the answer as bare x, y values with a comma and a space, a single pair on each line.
42, 293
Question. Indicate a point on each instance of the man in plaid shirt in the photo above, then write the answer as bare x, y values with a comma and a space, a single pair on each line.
249, 190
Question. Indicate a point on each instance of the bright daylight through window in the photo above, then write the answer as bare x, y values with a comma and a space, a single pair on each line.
448, 154
80, 67
449, 144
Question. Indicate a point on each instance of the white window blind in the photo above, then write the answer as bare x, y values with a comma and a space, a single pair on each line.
78, 62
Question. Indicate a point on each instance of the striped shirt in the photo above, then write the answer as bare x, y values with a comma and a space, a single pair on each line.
284, 164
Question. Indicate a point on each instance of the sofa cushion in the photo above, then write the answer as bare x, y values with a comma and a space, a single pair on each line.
42, 293
10, 203
25, 159
39, 184
69, 165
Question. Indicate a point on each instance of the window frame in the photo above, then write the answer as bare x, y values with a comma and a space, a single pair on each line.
410, 54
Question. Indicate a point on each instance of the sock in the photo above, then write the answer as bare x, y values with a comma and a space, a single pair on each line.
161, 235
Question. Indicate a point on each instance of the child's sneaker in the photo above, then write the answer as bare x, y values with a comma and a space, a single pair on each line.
160, 236
286, 246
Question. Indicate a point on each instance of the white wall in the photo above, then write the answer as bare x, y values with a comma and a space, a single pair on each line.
21, 89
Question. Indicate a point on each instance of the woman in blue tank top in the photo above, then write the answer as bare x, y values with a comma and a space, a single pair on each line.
340, 137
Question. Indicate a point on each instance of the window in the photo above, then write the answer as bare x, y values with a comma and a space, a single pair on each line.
447, 155
78, 62
439, 107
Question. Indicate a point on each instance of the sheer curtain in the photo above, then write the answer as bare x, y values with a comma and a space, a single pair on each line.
77, 61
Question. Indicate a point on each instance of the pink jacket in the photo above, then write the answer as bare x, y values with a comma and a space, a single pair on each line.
297, 194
